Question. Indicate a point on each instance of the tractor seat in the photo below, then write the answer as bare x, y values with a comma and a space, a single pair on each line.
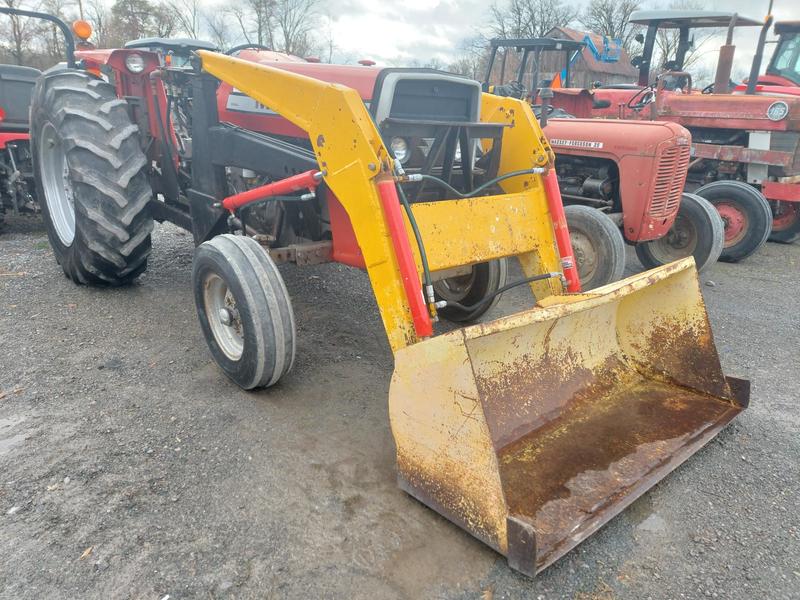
16, 87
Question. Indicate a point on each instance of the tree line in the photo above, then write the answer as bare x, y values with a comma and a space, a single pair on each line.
303, 27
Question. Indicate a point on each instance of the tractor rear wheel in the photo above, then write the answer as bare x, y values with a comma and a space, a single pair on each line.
598, 246
90, 177
745, 213
244, 310
785, 222
469, 289
698, 231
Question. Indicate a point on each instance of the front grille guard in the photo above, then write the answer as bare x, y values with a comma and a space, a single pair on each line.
446, 138
673, 163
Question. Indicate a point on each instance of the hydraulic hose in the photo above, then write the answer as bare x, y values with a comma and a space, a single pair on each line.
426, 272
505, 288
479, 189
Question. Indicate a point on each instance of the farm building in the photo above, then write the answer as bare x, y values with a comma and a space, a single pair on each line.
588, 68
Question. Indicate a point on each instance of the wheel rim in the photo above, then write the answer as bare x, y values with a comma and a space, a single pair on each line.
455, 289
736, 222
58, 192
680, 241
223, 316
785, 216
585, 254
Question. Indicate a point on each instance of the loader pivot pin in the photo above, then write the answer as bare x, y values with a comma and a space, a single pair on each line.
308, 180
405, 259
559, 219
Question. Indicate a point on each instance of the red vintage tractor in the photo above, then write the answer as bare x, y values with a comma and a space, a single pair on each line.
629, 170
745, 146
612, 389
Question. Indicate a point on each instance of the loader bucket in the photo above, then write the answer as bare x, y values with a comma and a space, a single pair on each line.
534, 430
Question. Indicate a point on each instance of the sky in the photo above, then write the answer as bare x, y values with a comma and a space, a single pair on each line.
399, 32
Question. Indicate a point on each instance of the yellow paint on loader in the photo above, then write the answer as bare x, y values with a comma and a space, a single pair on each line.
533, 430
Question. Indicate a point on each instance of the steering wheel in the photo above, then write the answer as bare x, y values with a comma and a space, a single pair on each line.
240, 47
642, 98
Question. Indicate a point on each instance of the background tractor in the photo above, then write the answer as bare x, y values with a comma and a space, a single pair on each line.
745, 146
631, 172
602, 393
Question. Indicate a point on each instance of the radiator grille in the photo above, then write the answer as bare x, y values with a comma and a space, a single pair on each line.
670, 177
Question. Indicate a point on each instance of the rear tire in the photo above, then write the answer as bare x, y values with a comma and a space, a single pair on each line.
484, 279
597, 244
244, 310
698, 231
90, 178
745, 213
785, 222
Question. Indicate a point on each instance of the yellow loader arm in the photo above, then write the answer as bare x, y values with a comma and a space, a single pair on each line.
533, 430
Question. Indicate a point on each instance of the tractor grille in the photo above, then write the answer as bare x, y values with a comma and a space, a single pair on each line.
670, 177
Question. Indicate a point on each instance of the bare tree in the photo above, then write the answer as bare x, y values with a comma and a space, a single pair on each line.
295, 20
18, 32
219, 30
530, 18
100, 17
255, 20
612, 18
188, 16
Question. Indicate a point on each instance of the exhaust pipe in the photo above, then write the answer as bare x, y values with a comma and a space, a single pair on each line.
752, 80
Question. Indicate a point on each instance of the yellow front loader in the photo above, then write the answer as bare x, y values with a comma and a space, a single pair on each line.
533, 430
529, 431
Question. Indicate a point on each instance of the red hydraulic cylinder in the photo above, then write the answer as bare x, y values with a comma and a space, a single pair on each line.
307, 180
556, 207
405, 259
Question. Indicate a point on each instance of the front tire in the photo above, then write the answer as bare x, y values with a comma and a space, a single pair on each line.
90, 177
597, 244
698, 231
483, 280
745, 213
244, 310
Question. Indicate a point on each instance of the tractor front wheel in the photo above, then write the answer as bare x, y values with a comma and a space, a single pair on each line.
91, 178
745, 213
470, 289
244, 310
597, 244
785, 222
698, 231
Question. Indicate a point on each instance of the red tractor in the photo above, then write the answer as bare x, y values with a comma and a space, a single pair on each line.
745, 146
17, 188
631, 171
782, 76
120, 137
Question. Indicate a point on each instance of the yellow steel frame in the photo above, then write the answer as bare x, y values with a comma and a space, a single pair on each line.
353, 158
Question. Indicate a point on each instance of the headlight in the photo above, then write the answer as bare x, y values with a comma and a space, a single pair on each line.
777, 111
399, 148
135, 63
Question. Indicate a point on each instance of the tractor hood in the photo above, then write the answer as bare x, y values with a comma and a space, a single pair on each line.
737, 111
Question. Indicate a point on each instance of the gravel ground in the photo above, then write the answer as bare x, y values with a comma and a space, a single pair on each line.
131, 468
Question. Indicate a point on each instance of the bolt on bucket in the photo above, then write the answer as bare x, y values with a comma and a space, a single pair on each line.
534, 430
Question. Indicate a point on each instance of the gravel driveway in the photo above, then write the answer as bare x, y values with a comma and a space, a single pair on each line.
131, 468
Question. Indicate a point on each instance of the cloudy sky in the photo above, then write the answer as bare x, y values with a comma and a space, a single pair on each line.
402, 31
